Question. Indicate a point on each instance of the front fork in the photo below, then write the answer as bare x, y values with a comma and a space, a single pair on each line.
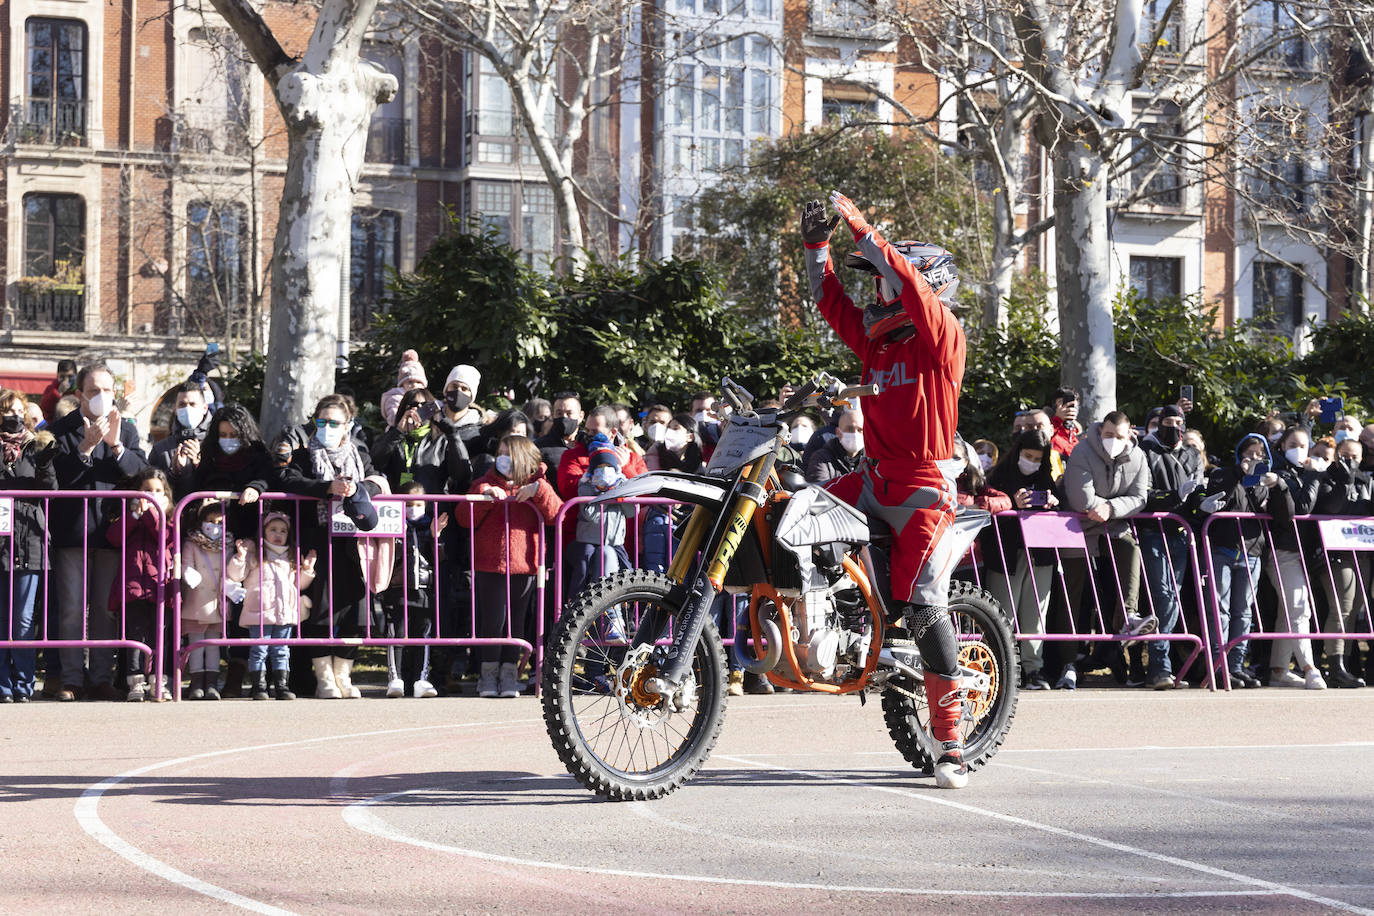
709, 579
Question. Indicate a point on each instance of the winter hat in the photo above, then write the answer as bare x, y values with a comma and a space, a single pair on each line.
391, 402
1170, 410
410, 369
602, 453
465, 374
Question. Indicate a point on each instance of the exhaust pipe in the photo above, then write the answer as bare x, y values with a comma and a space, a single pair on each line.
772, 650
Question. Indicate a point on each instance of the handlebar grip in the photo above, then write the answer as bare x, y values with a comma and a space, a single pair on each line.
858, 391
800, 397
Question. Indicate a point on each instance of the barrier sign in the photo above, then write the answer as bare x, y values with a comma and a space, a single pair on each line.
391, 520
1347, 533
6, 515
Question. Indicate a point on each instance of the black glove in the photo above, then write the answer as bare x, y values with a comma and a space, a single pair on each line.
208, 363
815, 228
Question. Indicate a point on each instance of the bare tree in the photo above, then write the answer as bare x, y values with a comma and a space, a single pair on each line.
326, 99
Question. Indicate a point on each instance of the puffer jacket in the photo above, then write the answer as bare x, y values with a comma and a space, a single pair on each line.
1091, 478
32, 471
145, 556
498, 547
202, 563
274, 597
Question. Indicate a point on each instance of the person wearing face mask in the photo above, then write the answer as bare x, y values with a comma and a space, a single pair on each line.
600, 539
987, 454
205, 551
1107, 480
540, 413
509, 422
971, 490
424, 445
25, 464
460, 390
841, 455
409, 602
144, 541
271, 575
410, 375
656, 420
64, 384
335, 468
564, 424
1021, 580
603, 421
680, 448
1176, 474
96, 450
179, 454
1293, 494
1237, 548
1346, 490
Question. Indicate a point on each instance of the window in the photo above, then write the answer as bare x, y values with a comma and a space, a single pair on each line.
843, 17
374, 249
55, 77
54, 233
537, 230
1156, 169
1157, 278
713, 109
217, 262
492, 202
847, 103
1170, 41
214, 114
389, 130
1278, 179
1276, 36
1276, 291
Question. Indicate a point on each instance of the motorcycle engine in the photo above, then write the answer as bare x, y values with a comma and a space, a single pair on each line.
832, 629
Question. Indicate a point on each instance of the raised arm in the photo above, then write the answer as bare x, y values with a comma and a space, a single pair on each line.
826, 289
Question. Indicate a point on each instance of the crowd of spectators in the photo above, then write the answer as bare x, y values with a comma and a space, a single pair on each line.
275, 571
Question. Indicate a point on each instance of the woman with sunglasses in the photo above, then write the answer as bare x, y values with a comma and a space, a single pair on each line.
333, 465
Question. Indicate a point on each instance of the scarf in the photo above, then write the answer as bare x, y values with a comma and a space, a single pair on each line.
12, 444
343, 461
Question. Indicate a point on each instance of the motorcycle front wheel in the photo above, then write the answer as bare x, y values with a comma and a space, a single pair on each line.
615, 737
986, 644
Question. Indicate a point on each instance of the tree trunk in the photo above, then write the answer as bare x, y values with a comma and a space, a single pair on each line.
1003, 268
327, 121
1361, 294
1083, 277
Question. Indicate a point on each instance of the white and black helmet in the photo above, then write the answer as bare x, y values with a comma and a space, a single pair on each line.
933, 262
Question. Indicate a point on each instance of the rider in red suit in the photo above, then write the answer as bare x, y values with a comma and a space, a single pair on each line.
913, 347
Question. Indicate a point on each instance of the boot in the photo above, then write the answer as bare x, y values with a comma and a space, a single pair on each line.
258, 680
138, 688
233, 678
279, 688
487, 681
326, 688
1339, 675
197, 686
945, 698
343, 676
210, 678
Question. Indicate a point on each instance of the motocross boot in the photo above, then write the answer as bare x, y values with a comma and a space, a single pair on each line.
945, 697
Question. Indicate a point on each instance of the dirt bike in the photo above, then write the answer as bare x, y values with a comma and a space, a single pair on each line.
634, 717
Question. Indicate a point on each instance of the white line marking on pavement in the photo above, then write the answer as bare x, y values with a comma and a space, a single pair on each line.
1142, 747
1272, 887
359, 817
88, 816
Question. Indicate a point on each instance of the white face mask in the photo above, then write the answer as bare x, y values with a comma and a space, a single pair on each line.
276, 549
415, 513
101, 404
800, 435
853, 442
1274, 437
503, 465
960, 465
1028, 467
675, 440
1295, 455
704, 417
230, 446
1319, 464
190, 417
656, 431
985, 461
330, 436
1113, 446
211, 530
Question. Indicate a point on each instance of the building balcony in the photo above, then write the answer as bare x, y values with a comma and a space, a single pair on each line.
388, 141
853, 19
209, 131
49, 122
50, 310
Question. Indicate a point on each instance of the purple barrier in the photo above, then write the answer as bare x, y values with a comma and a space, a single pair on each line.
393, 536
1349, 538
1062, 532
88, 633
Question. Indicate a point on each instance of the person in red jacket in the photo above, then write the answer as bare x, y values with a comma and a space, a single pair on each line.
506, 556
913, 348
575, 461
1065, 421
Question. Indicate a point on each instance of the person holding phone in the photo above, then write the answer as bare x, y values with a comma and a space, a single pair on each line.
424, 445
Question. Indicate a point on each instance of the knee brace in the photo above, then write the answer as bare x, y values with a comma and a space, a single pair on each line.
934, 633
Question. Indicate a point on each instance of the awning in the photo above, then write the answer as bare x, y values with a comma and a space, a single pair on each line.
26, 382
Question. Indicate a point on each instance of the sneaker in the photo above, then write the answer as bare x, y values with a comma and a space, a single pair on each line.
1140, 626
423, 690
1069, 679
1167, 682
736, 683
138, 690
950, 770
508, 681
1036, 681
487, 680
1314, 680
1135, 679
1287, 678
396, 688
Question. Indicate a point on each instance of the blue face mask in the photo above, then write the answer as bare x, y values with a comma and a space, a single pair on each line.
230, 446
1342, 434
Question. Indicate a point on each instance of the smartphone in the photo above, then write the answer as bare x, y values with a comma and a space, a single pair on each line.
1185, 393
428, 409
212, 347
1332, 409
1038, 499
1254, 476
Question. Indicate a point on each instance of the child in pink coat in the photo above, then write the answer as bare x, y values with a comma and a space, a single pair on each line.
272, 601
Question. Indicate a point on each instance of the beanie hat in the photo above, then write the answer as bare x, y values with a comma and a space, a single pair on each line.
1171, 410
465, 374
391, 402
410, 369
601, 452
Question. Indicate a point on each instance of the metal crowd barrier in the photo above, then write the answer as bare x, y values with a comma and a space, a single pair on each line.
1342, 535
94, 632
391, 527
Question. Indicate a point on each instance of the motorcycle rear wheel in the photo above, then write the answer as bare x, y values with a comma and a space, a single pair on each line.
975, 612
615, 738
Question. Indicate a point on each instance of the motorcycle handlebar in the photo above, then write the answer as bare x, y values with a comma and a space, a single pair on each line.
857, 391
